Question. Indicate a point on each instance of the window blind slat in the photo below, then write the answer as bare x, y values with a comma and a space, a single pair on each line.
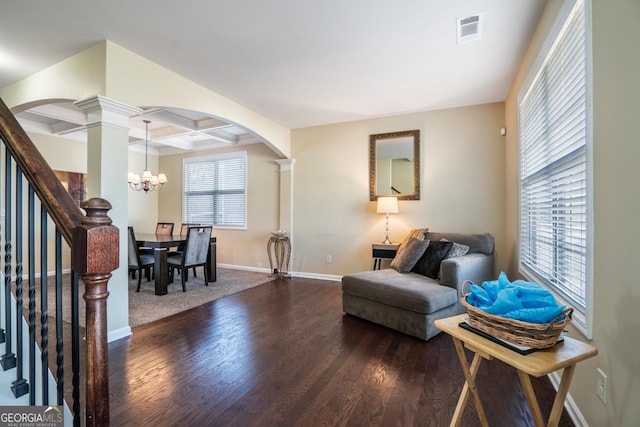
553, 175
215, 191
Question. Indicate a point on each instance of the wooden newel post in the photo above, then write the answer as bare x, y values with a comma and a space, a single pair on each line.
95, 254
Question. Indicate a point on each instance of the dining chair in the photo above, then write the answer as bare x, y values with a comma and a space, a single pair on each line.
194, 255
164, 228
137, 261
184, 228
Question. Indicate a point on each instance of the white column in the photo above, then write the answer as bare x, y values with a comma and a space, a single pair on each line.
286, 202
107, 152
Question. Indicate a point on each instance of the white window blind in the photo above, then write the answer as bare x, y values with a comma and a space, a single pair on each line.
553, 165
214, 190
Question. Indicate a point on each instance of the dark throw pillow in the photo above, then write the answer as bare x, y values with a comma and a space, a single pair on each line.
408, 253
429, 264
456, 250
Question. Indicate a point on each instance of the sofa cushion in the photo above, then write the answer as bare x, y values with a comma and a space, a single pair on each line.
411, 291
408, 254
478, 243
416, 233
429, 263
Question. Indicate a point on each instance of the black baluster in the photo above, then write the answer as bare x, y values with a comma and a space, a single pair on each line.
3, 336
8, 360
31, 263
44, 306
59, 325
75, 348
20, 386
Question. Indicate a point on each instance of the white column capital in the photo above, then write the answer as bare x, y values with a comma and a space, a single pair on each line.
105, 111
286, 165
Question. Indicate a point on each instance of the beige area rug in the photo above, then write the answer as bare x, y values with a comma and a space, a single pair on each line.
145, 306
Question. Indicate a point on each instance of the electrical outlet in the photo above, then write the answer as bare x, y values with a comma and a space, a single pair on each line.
329, 259
601, 385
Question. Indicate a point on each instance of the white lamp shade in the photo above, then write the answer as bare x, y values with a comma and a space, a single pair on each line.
133, 178
387, 205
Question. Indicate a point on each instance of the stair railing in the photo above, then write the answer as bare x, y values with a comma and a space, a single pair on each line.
92, 254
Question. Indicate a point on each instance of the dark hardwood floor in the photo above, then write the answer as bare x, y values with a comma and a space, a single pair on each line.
283, 354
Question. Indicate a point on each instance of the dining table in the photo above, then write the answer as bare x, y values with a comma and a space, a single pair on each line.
161, 244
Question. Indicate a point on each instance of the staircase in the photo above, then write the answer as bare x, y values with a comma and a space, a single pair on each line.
7, 398
47, 357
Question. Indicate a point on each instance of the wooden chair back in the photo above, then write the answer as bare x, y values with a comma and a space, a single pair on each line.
164, 228
184, 228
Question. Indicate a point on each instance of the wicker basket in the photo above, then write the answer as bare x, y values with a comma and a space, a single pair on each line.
527, 334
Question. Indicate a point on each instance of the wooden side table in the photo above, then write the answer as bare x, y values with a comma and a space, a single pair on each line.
380, 251
542, 362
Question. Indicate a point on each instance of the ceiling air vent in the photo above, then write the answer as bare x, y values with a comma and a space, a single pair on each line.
469, 28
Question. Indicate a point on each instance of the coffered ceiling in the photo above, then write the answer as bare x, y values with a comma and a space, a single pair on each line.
171, 131
299, 63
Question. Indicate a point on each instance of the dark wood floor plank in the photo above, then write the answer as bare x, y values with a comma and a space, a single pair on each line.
283, 354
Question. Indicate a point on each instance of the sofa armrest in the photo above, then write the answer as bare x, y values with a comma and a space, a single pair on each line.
475, 267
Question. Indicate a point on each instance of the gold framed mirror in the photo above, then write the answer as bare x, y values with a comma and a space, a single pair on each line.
394, 165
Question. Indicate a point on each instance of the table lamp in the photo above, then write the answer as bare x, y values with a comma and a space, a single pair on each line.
387, 205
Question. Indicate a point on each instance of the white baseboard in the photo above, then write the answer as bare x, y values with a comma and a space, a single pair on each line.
291, 273
331, 277
119, 333
245, 268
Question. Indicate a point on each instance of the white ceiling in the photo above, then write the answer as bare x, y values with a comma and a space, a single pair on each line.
299, 63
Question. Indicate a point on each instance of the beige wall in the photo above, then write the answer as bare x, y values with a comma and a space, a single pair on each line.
616, 67
143, 207
64, 155
462, 185
247, 247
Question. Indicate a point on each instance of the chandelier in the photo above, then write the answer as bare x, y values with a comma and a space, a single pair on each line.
148, 182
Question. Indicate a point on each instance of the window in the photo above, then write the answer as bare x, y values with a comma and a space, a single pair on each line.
554, 171
214, 190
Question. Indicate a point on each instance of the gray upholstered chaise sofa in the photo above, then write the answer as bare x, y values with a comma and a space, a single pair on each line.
410, 302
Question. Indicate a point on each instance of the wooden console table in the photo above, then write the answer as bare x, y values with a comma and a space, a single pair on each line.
542, 362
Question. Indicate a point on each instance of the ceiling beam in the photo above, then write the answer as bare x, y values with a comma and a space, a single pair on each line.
66, 113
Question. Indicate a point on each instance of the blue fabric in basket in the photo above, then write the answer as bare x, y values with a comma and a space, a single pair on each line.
520, 300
